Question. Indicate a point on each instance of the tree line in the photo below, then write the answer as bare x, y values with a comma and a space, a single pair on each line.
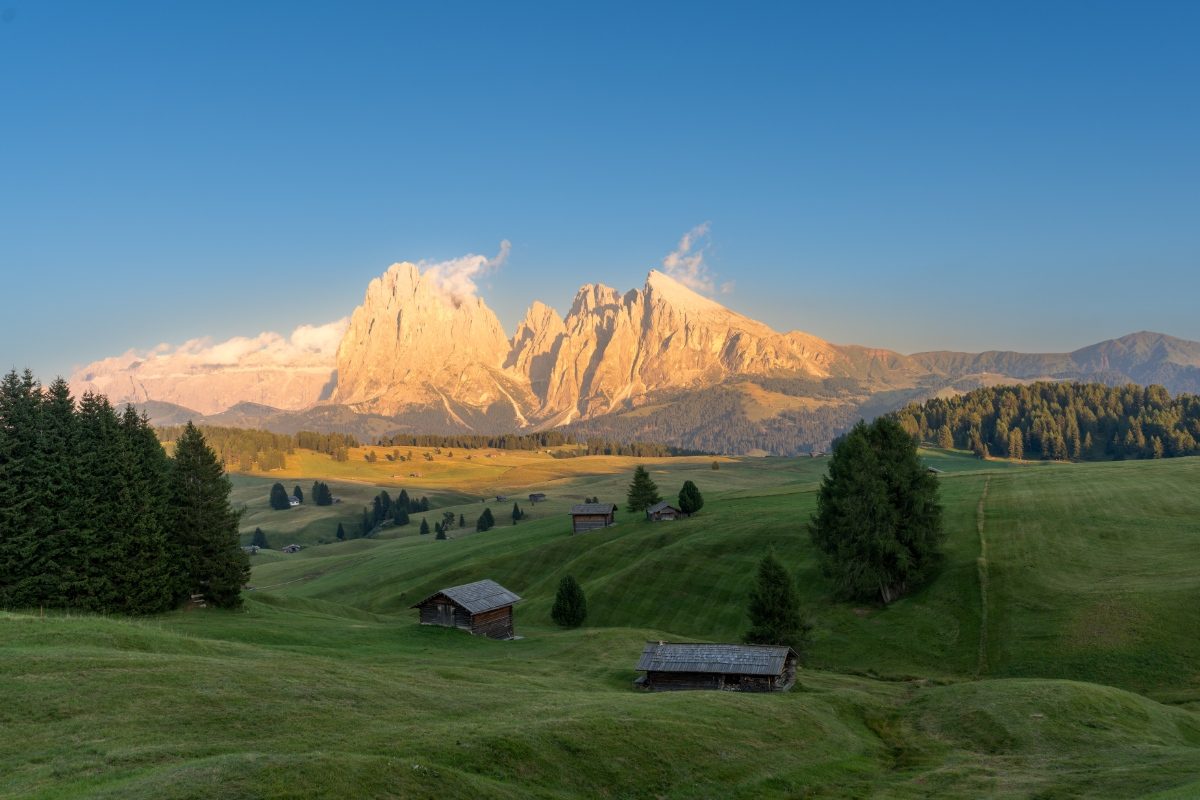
1060, 421
589, 446
247, 448
94, 516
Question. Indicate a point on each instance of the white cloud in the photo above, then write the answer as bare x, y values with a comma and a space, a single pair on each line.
686, 262
306, 346
456, 277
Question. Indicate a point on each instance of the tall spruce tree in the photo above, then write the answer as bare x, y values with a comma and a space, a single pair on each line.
642, 491
259, 539
424, 530
690, 499
62, 561
878, 524
279, 498
204, 525
570, 605
102, 451
21, 470
774, 610
146, 579
341, 533
399, 514
298, 493
486, 521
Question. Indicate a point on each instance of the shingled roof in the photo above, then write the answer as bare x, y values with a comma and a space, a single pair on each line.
476, 597
730, 659
663, 506
593, 508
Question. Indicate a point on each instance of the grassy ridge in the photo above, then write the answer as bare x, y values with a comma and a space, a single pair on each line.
326, 687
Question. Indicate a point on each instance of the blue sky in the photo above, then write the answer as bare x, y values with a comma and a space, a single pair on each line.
907, 175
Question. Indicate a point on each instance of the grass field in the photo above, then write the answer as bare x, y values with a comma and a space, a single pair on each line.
1055, 655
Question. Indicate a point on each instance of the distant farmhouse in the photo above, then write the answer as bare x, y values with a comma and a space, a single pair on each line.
485, 608
670, 666
293, 501
250, 550
592, 516
662, 511
291, 548
537, 497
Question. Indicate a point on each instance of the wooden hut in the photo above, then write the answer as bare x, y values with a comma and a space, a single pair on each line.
537, 497
670, 666
662, 511
592, 516
485, 608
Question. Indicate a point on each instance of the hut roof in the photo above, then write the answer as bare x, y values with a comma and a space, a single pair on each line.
737, 659
477, 597
663, 506
593, 508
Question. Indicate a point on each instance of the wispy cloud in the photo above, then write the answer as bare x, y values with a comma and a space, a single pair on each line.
456, 277
686, 262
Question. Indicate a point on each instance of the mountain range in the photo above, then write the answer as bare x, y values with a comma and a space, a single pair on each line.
660, 363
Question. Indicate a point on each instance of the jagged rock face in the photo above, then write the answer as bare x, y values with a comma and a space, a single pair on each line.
412, 344
616, 349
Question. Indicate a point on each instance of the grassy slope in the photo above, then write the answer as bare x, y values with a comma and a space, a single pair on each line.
326, 687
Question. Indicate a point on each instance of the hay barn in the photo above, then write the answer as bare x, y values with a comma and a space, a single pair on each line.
673, 666
485, 608
592, 516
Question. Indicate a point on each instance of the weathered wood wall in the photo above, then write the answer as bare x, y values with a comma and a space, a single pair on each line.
589, 522
682, 681
495, 624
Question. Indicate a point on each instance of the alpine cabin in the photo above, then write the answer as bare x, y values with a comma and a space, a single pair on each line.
672, 666
592, 516
485, 608
662, 511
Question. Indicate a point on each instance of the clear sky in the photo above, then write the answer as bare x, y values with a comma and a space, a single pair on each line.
910, 175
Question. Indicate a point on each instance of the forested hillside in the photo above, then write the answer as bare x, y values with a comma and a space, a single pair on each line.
1079, 421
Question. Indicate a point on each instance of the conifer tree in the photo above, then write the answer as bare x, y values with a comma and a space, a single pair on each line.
259, 539
341, 533
774, 610
570, 605
367, 523
204, 525
399, 514
462, 521
690, 499
642, 491
945, 438
1016, 444
404, 502
298, 493
424, 526
279, 498
878, 524
21, 469
516, 514
101, 450
447, 520
486, 521
441, 534
146, 575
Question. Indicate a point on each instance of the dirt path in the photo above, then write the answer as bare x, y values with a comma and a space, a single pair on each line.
982, 564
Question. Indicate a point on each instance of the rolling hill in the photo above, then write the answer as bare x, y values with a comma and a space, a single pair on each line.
1052, 656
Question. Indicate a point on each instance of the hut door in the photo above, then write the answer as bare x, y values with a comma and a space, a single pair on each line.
445, 614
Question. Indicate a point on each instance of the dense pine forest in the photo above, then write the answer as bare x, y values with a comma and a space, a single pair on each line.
95, 517
1078, 421
246, 448
593, 446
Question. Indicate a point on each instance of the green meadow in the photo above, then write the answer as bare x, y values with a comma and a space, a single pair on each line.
1056, 654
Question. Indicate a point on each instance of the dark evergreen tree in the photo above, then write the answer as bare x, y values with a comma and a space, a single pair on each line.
204, 527
298, 493
437, 529
424, 501
642, 491
775, 616
146, 577
399, 514
341, 533
441, 533
259, 539
447, 520
462, 521
385, 502
404, 502
367, 523
21, 473
279, 498
424, 526
570, 606
517, 514
486, 521
878, 524
690, 499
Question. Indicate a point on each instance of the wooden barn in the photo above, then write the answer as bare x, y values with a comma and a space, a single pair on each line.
663, 511
537, 497
671, 666
592, 516
485, 608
